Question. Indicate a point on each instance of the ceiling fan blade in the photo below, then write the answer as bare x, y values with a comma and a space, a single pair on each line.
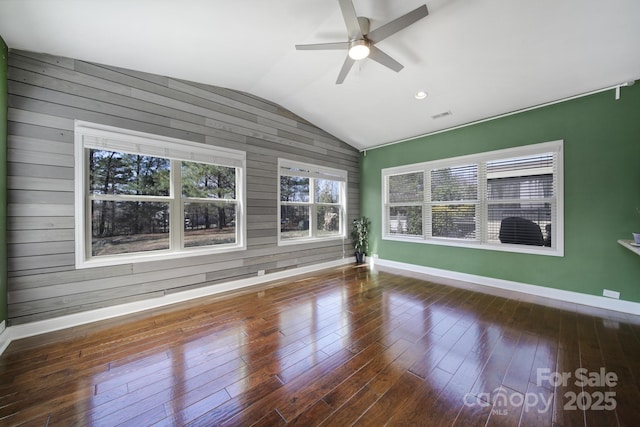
384, 59
323, 46
350, 19
398, 24
348, 63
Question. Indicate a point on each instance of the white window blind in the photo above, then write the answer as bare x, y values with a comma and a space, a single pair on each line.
508, 200
289, 167
520, 199
454, 202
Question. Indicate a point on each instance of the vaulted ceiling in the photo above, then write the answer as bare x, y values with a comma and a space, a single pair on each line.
475, 58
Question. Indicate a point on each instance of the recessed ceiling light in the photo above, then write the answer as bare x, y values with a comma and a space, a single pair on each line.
421, 95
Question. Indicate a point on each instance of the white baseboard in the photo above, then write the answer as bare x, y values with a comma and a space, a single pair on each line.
537, 290
35, 328
43, 326
4, 337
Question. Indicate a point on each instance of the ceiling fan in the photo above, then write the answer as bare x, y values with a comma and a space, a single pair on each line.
361, 40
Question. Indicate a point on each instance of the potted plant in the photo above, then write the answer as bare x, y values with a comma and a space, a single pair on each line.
360, 237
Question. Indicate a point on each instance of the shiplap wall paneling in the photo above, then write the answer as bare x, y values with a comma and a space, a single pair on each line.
47, 93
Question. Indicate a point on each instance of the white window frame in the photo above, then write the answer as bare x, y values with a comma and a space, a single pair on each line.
557, 231
91, 135
295, 168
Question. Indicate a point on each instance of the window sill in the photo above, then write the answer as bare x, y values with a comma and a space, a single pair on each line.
111, 260
309, 240
524, 249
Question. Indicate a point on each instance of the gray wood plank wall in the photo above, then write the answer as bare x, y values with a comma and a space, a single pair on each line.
46, 95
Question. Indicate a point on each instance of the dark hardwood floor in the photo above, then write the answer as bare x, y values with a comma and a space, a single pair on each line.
341, 347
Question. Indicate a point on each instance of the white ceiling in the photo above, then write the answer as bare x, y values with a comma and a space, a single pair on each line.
475, 58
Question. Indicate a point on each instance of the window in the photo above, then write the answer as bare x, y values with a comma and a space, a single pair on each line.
312, 202
145, 197
508, 200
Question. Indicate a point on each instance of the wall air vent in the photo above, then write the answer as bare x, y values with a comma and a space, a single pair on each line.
441, 115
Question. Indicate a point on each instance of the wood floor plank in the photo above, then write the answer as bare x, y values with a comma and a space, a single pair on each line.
346, 415
537, 406
564, 413
382, 410
494, 371
623, 390
306, 396
288, 391
475, 412
340, 395
346, 346
415, 410
457, 394
519, 370
313, 415
591, 362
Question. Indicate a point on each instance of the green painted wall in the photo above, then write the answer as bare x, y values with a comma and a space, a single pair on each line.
602, 190
3, 179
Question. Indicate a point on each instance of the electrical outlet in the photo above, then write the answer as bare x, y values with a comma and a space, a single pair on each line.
611, 294
260, 272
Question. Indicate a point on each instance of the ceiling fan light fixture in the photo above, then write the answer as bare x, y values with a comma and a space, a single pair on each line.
358, 49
